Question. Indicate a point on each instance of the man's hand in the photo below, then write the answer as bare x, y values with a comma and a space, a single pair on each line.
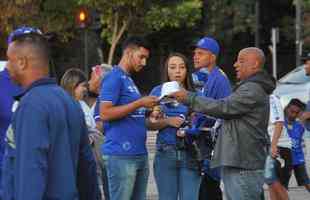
180, 96
304, 116
148, 101
274, 151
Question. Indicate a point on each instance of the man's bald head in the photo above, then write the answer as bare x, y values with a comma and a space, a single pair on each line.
250, 61
257, 53
33, 46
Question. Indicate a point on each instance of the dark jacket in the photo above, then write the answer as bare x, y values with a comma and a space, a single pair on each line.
243, 138
53, 156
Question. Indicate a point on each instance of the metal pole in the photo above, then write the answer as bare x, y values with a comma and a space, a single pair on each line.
257, 23
86, 53
274, 52
298, 31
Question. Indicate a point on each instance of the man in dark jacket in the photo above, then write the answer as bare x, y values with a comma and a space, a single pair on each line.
241, 146
53, 155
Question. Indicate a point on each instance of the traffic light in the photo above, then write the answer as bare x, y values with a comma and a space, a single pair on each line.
82, 17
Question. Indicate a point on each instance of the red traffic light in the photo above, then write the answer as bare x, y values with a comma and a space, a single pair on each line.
82, 18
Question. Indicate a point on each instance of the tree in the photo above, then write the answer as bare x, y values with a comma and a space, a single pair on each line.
139, 16
48, 15
227, 18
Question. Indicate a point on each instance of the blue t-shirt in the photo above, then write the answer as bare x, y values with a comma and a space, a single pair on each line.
216, 87
296, 131
200, 77
167, 135
125, 136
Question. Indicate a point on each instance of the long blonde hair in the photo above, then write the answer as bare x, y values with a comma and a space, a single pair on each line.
71, 79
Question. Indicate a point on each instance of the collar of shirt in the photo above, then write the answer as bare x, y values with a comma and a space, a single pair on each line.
118, 67
42, 81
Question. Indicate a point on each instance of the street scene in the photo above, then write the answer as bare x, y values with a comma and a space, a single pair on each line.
147, 100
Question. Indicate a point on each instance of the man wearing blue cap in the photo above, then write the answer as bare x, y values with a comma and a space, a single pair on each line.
215, 86
48, 135
7, 90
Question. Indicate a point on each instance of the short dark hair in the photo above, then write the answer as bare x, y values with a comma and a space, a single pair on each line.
135, 41
36, 41
298, 103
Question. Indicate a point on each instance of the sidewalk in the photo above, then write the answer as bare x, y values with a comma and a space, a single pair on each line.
295, 192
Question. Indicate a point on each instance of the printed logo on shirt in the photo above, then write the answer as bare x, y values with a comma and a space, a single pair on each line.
126, 146
10, 137
133, 89
10, 132
139, 112
295, 144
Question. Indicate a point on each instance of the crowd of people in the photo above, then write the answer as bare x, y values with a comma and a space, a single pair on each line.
64, 141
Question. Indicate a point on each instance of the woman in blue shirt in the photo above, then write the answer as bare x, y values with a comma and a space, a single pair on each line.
176, 172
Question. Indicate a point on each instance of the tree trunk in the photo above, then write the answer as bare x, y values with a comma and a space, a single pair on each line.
116, 35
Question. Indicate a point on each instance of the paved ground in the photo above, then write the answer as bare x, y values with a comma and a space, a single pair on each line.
295, 192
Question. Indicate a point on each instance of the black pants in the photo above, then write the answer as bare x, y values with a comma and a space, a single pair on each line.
210, 189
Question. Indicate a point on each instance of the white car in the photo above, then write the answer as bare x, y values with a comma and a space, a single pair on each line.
295, 84
2, 65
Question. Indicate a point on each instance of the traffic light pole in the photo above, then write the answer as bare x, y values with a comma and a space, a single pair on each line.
86, 52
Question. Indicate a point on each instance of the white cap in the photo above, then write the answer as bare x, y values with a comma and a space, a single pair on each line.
169, 88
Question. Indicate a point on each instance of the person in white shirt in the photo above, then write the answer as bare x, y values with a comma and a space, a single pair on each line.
279, 161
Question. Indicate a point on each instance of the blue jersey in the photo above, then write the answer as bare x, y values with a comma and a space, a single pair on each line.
168, 135
216, 87
296, 131
125, 136
200, 77
52, 143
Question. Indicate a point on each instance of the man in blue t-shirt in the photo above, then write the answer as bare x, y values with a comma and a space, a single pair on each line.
123, 111
216, 86
296, 131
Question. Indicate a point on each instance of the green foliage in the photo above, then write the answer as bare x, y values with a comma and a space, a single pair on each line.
48, 15
227, 18
181, 14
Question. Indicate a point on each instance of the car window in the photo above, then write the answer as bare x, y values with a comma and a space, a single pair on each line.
297, 76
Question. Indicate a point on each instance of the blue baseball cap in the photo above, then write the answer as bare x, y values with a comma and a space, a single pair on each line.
21, 31
209, 44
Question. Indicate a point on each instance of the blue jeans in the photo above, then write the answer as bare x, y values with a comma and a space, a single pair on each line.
127, 177
175, 175
242, 184
104, 178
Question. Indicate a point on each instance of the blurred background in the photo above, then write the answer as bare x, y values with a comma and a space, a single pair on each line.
83, 33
